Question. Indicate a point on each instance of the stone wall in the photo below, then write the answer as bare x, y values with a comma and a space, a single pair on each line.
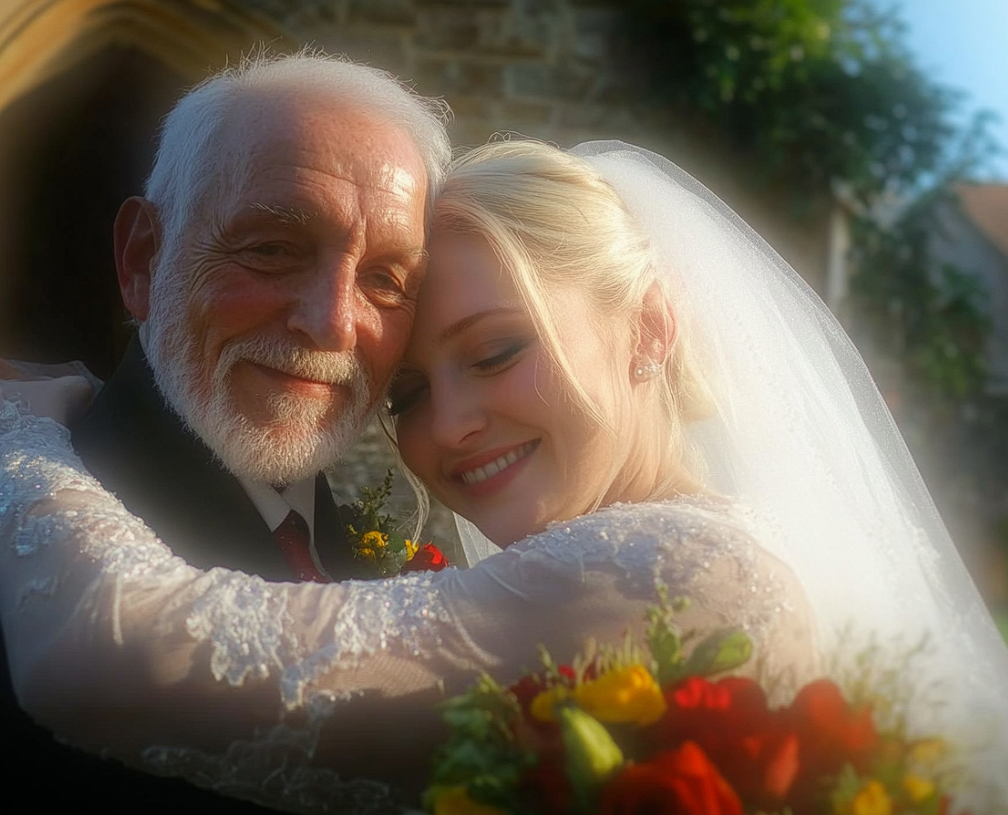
554, 70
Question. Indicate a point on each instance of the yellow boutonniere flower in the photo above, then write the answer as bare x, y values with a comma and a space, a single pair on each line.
374, 540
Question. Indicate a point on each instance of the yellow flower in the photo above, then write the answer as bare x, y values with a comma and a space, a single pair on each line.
927, 751
366, 554
374, 540
411, 549
455, 801
872, 800
543, 704
918, 788
625, 695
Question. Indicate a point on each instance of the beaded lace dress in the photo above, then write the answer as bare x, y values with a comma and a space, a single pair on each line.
315, 697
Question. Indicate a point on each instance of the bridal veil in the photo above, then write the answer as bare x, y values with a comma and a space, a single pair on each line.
802, 435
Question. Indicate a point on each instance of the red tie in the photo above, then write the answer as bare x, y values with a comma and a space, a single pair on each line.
293, 538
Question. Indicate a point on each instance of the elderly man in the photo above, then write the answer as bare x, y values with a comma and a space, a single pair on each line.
272, 266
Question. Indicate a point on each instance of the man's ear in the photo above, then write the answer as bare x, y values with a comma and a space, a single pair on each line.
656, 328
137, 237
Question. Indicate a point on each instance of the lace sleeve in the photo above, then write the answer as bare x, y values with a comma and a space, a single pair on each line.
276, 691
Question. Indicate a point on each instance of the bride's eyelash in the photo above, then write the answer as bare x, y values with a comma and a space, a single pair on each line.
409, 393
403, 403
503, 359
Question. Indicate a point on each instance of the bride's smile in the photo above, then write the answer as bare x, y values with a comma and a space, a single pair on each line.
476, 400
483, 468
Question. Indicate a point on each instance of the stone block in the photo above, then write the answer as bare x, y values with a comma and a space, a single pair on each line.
469, 107
586, 116
544, 81
530, 118
463, 4
451, 77
382, 12
457, 29
381, 49
526, 29
593, 33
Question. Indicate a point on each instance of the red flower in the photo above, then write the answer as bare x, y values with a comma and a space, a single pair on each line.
546, 788
427, 559
831, 734
729, 719
675, 782
531, 685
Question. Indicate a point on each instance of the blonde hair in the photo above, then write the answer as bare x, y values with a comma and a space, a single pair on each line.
554, 222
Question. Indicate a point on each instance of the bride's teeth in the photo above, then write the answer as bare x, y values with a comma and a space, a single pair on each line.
478, 474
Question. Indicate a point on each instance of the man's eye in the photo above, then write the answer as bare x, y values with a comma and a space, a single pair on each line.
270, 250
383, 285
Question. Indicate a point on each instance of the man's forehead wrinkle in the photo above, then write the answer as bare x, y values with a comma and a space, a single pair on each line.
286, 214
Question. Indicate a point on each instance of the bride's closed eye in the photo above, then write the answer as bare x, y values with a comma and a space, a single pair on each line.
404, 392
504, 358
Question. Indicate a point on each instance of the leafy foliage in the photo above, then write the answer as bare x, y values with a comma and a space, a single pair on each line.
818, 90
825, 97
929, 311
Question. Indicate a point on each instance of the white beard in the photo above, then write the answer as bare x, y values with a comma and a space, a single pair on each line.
301, 437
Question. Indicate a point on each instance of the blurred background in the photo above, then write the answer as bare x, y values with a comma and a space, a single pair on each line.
859, 137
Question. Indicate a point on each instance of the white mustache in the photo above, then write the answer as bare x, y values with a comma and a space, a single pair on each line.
329, 367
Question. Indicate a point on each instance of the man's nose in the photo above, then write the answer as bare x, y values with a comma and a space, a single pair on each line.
458, 415
326, 305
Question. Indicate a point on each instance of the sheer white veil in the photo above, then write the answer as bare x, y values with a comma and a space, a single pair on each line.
802, 435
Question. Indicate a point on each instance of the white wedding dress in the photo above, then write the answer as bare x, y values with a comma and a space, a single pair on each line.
309, 697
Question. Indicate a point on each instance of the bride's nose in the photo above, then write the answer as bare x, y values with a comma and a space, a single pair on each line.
458, 414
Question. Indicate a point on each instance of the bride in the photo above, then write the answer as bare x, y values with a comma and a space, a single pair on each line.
612, 378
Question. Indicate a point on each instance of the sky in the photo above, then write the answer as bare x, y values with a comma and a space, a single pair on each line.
963, 44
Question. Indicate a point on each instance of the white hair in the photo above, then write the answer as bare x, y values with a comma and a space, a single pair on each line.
197, 156
186, 167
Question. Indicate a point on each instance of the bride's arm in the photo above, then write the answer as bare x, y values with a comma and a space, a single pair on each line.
118, 646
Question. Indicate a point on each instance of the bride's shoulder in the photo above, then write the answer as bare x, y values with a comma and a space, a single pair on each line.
715, 551
705, 526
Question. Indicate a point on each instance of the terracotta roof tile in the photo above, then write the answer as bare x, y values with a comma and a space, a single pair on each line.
986, 205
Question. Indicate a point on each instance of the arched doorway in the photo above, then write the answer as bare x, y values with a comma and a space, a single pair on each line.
82, 89
73, 149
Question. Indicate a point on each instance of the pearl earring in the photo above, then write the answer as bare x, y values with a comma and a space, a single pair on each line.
646, 370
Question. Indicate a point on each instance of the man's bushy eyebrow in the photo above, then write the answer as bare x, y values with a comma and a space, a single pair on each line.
285, 214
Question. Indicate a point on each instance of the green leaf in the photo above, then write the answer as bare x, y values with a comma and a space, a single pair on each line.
396, 542
722, 650
592, 757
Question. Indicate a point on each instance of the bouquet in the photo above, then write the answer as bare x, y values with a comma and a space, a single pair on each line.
629, 731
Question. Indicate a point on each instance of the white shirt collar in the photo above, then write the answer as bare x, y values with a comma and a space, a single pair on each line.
273, 506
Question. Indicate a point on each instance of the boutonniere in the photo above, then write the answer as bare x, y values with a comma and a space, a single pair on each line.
377, 542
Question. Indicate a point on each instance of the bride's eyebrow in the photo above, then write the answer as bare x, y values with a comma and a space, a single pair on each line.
468, 322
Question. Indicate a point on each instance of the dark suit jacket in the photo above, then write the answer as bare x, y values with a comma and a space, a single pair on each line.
142, 452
